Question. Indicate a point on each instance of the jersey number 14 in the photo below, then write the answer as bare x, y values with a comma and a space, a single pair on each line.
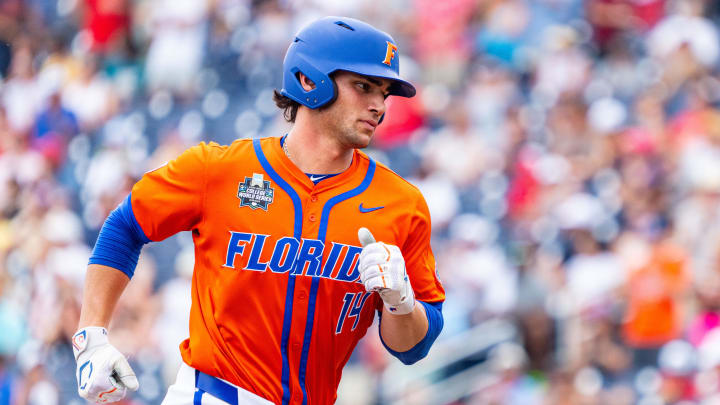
352, 306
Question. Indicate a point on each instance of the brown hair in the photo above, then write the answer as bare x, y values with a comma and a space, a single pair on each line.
288, 105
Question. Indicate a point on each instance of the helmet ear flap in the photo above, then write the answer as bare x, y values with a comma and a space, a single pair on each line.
323, 92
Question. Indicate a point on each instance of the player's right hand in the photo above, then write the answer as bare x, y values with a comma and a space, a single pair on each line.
103, 374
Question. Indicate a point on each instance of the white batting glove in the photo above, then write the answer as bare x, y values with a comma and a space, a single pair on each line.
382, 269
103, 373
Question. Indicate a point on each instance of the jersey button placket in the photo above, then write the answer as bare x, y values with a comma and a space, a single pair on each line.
301, 296
312, 217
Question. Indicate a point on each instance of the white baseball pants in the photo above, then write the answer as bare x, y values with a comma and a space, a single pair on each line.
193, 387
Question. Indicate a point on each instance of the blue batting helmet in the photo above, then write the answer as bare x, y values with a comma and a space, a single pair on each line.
339, 43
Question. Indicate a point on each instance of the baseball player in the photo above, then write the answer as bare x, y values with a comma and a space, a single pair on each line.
299, 241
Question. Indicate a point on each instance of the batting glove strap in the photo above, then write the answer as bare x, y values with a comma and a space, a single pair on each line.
86, 339
399, 304
382, 269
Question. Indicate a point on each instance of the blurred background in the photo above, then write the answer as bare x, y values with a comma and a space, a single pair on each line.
569, 151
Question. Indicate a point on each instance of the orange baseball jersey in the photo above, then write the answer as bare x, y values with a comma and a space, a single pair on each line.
277, 302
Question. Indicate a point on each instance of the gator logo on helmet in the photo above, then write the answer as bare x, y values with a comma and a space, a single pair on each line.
390, 53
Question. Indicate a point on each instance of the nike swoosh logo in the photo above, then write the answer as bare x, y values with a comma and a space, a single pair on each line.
314, 179
371, 209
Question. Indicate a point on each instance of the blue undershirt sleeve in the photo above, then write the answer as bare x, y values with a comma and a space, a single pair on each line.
433, 311
120, 240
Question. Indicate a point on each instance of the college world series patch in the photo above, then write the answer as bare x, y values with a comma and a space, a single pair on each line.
255, 192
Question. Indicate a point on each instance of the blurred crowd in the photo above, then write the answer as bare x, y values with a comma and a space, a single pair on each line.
569, 151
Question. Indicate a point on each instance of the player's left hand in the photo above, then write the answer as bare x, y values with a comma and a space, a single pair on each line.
382, 269
103, 373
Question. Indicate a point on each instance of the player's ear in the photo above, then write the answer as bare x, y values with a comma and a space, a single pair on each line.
305, 82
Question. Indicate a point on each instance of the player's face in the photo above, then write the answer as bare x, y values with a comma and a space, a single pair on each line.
359, 105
